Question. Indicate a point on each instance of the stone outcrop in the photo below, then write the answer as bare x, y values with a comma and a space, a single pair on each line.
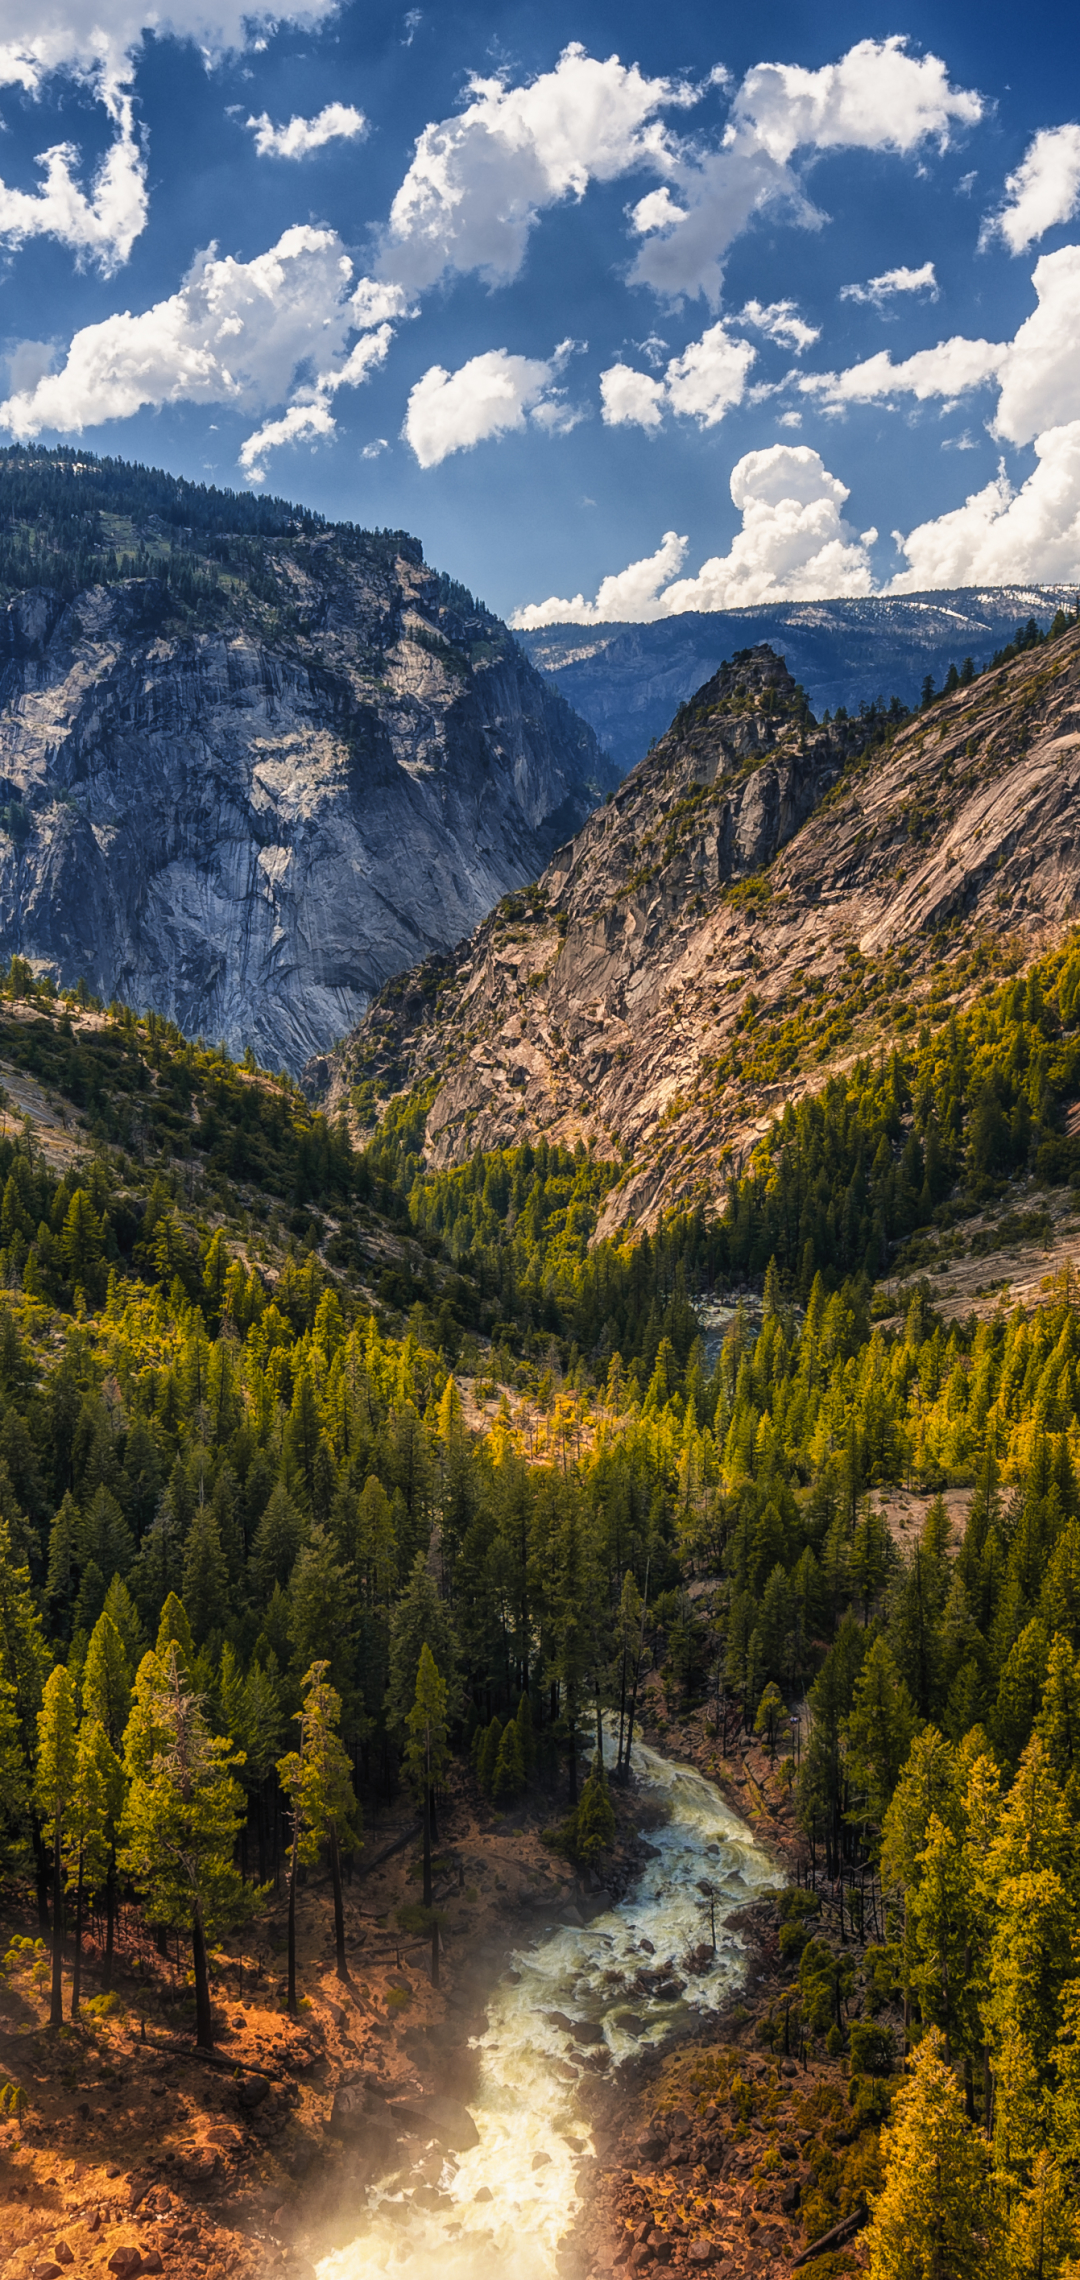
249, 813
760, 899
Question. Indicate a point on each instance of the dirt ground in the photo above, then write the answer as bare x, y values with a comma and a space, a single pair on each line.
128, 2140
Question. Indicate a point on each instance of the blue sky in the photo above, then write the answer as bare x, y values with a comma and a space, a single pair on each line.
622, 311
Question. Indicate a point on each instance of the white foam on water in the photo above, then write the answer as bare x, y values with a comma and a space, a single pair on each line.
524, 2106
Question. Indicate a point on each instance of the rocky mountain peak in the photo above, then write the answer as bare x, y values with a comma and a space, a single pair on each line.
252, 763
740, 918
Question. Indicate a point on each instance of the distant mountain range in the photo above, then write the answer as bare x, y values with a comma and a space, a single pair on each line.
627, 680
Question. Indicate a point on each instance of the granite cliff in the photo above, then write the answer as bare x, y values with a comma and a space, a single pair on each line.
251, 764
761, 899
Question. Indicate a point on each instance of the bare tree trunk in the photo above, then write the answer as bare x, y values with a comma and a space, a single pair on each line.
110, 1918
204, 2024
292, 1914
76, 1979
341, 1966
56, 2007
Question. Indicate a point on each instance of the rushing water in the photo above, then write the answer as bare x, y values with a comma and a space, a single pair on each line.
524, 2104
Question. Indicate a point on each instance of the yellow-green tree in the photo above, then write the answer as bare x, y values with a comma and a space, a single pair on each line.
936, 2217
317, 1781
182, 1815
426, 1753
54, 1791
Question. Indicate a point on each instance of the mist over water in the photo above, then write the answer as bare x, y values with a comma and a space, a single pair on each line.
525, 2105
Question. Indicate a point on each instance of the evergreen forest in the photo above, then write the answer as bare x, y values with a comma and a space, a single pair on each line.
319, 1466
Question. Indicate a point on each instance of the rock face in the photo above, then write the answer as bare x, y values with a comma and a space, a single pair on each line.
250, 809
760, 900
626, 680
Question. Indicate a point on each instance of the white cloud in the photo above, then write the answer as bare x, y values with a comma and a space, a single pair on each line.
949, 369
100, 227
878, 290
631, 399
780, 320
98, 39
1044, 189
337, 122
626, 597
793, 546
999, 536
241, 333
309, 414
1040, 376
478, 182
877, 97
1037, 371
703, 383
490, 395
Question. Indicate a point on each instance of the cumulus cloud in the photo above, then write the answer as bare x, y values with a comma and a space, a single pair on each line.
876, 97
793, 546
101, 226
892, 282
98, 39
490, 395
1044, 189
703, 383
337, 122
1037, 372
949, 369
478, 182
1000, 535
240, 333
780, 320
626, 597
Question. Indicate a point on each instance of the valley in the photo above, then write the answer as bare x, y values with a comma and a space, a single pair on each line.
540, 1565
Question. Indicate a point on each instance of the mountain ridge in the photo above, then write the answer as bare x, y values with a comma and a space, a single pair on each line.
760, 900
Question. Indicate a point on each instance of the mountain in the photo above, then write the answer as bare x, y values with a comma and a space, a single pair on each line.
252, 764
760, 899
627, 680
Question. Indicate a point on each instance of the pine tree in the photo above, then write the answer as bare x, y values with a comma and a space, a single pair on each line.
182, 1814
421, 1618
205, 1576
426, 1753
93, 1816
880, 1729
317, 1780
487, 1755
54, 1787
936, 2217
594, 1830
509, 1776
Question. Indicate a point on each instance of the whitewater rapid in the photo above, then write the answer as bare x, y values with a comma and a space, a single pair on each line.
524, 2104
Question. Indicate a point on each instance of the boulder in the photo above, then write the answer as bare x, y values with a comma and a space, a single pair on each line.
445, 2119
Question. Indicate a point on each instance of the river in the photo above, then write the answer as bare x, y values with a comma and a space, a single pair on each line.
524, 2105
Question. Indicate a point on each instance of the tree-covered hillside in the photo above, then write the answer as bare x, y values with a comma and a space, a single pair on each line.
290, 1427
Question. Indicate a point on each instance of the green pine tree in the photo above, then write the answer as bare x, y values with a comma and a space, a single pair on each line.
182, 1814
317, 1781
54, 1789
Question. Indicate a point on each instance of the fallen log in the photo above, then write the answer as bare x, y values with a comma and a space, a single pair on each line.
841, 2233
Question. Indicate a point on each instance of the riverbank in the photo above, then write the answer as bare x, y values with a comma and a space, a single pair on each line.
129, 2141
720, 2152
